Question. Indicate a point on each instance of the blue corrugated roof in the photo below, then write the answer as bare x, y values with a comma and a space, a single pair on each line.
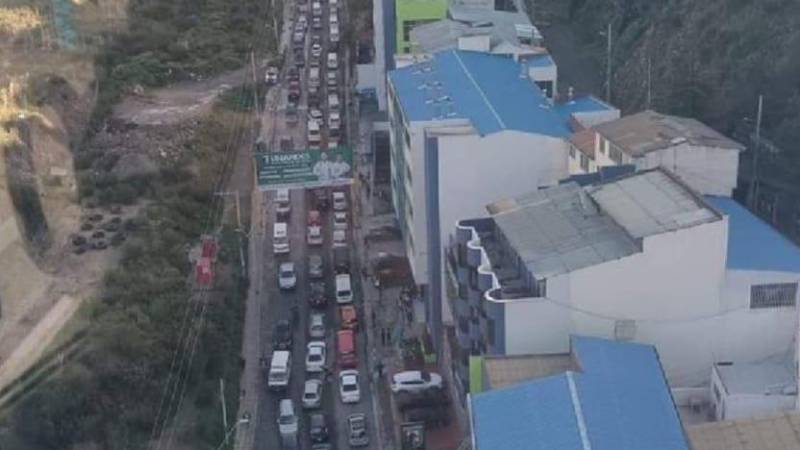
482, 87
752, 243
624, 400
586, 103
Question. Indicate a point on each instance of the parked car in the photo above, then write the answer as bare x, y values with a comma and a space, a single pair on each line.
340, 220
287, 419
332, 79
287, 278
315, 356
318, 428
349, 391
317, 298
314, 235
315, 114
321, 200
293, 74
339, 238
348, 317
339, 201
334, 120
271, 77
312, 394
357, 430
316, 326
316, 50
415, 381
315, 267
316, 23
282, 336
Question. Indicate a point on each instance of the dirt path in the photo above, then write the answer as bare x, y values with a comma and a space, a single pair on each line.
178, 102
37, 341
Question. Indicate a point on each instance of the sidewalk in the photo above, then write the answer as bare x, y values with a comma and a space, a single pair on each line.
382, 307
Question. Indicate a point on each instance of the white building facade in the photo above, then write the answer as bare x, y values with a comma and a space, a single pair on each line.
641, 258
700, 156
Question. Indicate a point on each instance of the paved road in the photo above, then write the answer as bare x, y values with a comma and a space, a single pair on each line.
269, 304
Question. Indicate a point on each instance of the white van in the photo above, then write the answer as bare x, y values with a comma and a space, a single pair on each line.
313, 132
280, 370
333, 60
283, 204
280, 238
287, 422
344, 293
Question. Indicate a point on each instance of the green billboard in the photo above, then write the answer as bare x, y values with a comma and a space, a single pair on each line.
304, 169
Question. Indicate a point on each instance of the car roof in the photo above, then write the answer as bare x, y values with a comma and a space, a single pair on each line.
408, 375
311, 384
287, 265
314, 257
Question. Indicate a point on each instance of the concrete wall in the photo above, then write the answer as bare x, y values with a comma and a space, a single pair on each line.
731, 406
475, 171
709, 170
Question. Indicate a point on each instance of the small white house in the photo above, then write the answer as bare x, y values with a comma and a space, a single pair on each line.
703, 158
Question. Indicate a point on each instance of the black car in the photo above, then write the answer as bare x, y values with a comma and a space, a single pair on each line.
318, 428
282, 336
316, 297
294, 74
321, 199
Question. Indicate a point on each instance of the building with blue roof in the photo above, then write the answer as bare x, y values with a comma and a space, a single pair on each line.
637, 256
612, 396
465, 128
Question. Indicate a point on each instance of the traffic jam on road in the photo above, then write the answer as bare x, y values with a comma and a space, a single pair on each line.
314, 361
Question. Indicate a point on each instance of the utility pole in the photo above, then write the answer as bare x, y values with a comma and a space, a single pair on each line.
224, 407
753, 197
649, 83
255, 84
608, 64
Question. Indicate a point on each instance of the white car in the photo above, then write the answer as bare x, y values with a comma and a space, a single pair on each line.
312, 394
316, 328
316, 50
339, 201
314, 235
340, 221
348, 386
287, 279
287, 419
334, 120
415, 381
315, 356
339, 238
315, 114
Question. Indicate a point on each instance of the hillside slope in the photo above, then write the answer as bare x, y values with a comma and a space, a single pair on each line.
708, 60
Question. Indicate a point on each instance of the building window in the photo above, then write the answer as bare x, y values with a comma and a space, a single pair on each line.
572, 152
773, 295
490, 330
584, 163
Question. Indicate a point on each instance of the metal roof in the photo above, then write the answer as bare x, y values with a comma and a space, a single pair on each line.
649, 203
484, 88
779, 432
618, 401
752, 243
582, 104
649, 131
559, 230
568, 227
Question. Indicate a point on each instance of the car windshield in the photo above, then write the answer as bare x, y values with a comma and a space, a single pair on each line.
286, 420
313, 357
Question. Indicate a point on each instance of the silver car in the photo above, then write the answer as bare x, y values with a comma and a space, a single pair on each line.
316, 326
312, 394
315, 268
